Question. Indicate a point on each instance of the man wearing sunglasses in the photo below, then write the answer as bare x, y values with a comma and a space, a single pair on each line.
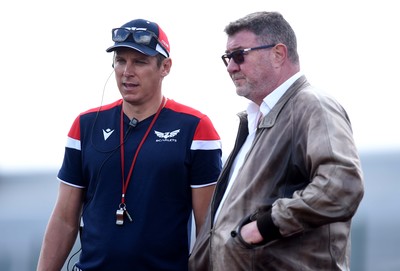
134, 170
290, 187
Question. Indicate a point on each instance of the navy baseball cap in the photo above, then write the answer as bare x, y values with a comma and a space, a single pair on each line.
141, 35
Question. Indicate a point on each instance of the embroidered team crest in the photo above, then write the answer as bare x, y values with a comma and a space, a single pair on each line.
167, 136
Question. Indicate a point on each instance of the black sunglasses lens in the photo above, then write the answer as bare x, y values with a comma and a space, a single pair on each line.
225, 58
142, 37
120, 34
139, 36
238, 57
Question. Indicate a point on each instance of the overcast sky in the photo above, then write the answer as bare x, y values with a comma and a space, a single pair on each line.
54, 65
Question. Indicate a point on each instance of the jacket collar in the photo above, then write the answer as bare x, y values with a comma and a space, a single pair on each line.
269, 120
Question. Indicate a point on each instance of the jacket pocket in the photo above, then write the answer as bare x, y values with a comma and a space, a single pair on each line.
238, 238
235, 233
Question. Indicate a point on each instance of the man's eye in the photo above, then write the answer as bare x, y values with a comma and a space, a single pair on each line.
120, 61
140, 61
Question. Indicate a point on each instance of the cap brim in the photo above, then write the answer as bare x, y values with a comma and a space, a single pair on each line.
138, 47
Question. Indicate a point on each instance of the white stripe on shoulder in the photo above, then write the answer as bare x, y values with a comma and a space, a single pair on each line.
206, 145
73, 144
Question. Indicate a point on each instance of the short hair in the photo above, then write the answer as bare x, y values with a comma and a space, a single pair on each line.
160, 59
270, 27
158, 56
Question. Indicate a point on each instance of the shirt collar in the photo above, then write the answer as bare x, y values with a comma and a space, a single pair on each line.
271, 99
253, 110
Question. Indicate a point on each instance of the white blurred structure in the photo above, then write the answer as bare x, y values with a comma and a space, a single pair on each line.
27, 199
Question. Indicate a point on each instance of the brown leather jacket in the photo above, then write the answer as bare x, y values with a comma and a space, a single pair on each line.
304, 168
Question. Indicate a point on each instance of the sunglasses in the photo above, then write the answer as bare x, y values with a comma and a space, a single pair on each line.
238, 55
140, 36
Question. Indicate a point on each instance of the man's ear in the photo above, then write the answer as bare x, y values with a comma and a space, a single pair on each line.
166, 66
280, 53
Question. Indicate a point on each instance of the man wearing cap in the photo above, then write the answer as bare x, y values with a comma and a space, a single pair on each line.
133, 170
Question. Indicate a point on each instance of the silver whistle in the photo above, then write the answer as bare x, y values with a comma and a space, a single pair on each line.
120, 217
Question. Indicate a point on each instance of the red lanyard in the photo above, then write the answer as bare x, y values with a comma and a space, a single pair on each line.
125, 183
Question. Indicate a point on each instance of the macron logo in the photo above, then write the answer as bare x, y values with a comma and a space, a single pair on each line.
106, 133
167, 136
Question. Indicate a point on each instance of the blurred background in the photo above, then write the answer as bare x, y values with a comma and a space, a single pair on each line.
54, 66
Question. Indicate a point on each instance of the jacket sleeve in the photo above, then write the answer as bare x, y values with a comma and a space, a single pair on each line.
323, 147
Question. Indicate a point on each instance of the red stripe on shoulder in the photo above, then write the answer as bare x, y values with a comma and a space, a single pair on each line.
103, 107
205, 130
178, 107
75, 131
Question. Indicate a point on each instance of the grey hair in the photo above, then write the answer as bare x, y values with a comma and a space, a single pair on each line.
270, 27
